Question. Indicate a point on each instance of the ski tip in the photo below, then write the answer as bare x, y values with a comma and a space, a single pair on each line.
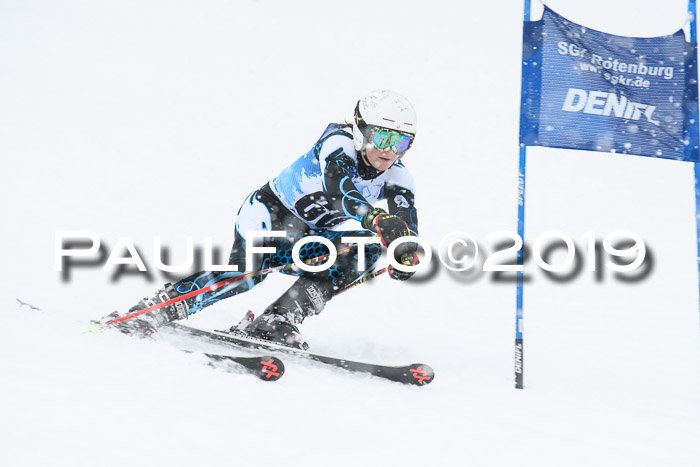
270, 368
22, 303
420, 374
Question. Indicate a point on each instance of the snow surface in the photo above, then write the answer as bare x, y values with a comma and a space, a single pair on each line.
146, 119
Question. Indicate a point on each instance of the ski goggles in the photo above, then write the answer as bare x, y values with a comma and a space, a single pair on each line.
384, 140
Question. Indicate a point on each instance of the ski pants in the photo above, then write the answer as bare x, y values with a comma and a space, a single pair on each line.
263, 211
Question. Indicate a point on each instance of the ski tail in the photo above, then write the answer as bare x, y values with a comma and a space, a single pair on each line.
266, 367
420, 374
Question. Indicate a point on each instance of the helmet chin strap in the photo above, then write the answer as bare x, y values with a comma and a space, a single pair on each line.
366, 161
363, 153
367, 170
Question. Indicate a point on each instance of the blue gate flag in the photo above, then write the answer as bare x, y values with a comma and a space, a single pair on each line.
585, 89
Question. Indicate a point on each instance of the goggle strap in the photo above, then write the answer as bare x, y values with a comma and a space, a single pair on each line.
359, 121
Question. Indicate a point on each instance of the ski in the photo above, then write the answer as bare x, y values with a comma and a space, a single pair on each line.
418, 374
267, 368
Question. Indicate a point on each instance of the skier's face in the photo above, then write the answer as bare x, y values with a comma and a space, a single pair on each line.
381, 160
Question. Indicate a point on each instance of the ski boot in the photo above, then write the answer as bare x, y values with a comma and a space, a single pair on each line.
273, 328
146, 324
279, 322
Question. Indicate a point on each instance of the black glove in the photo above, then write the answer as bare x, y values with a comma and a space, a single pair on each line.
404, 254
388, 226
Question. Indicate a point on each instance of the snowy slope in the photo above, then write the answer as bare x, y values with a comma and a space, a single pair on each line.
146, 119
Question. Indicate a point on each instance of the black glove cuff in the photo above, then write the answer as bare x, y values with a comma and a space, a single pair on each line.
368, 218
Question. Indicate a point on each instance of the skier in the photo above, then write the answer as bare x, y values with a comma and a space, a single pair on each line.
351, 167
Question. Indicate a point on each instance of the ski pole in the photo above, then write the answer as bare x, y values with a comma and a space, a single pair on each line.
363, 280
194, 293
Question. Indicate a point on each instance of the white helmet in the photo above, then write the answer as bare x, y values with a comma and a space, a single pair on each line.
383, 109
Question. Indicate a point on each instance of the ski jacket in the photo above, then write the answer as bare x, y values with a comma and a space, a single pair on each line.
327, 186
